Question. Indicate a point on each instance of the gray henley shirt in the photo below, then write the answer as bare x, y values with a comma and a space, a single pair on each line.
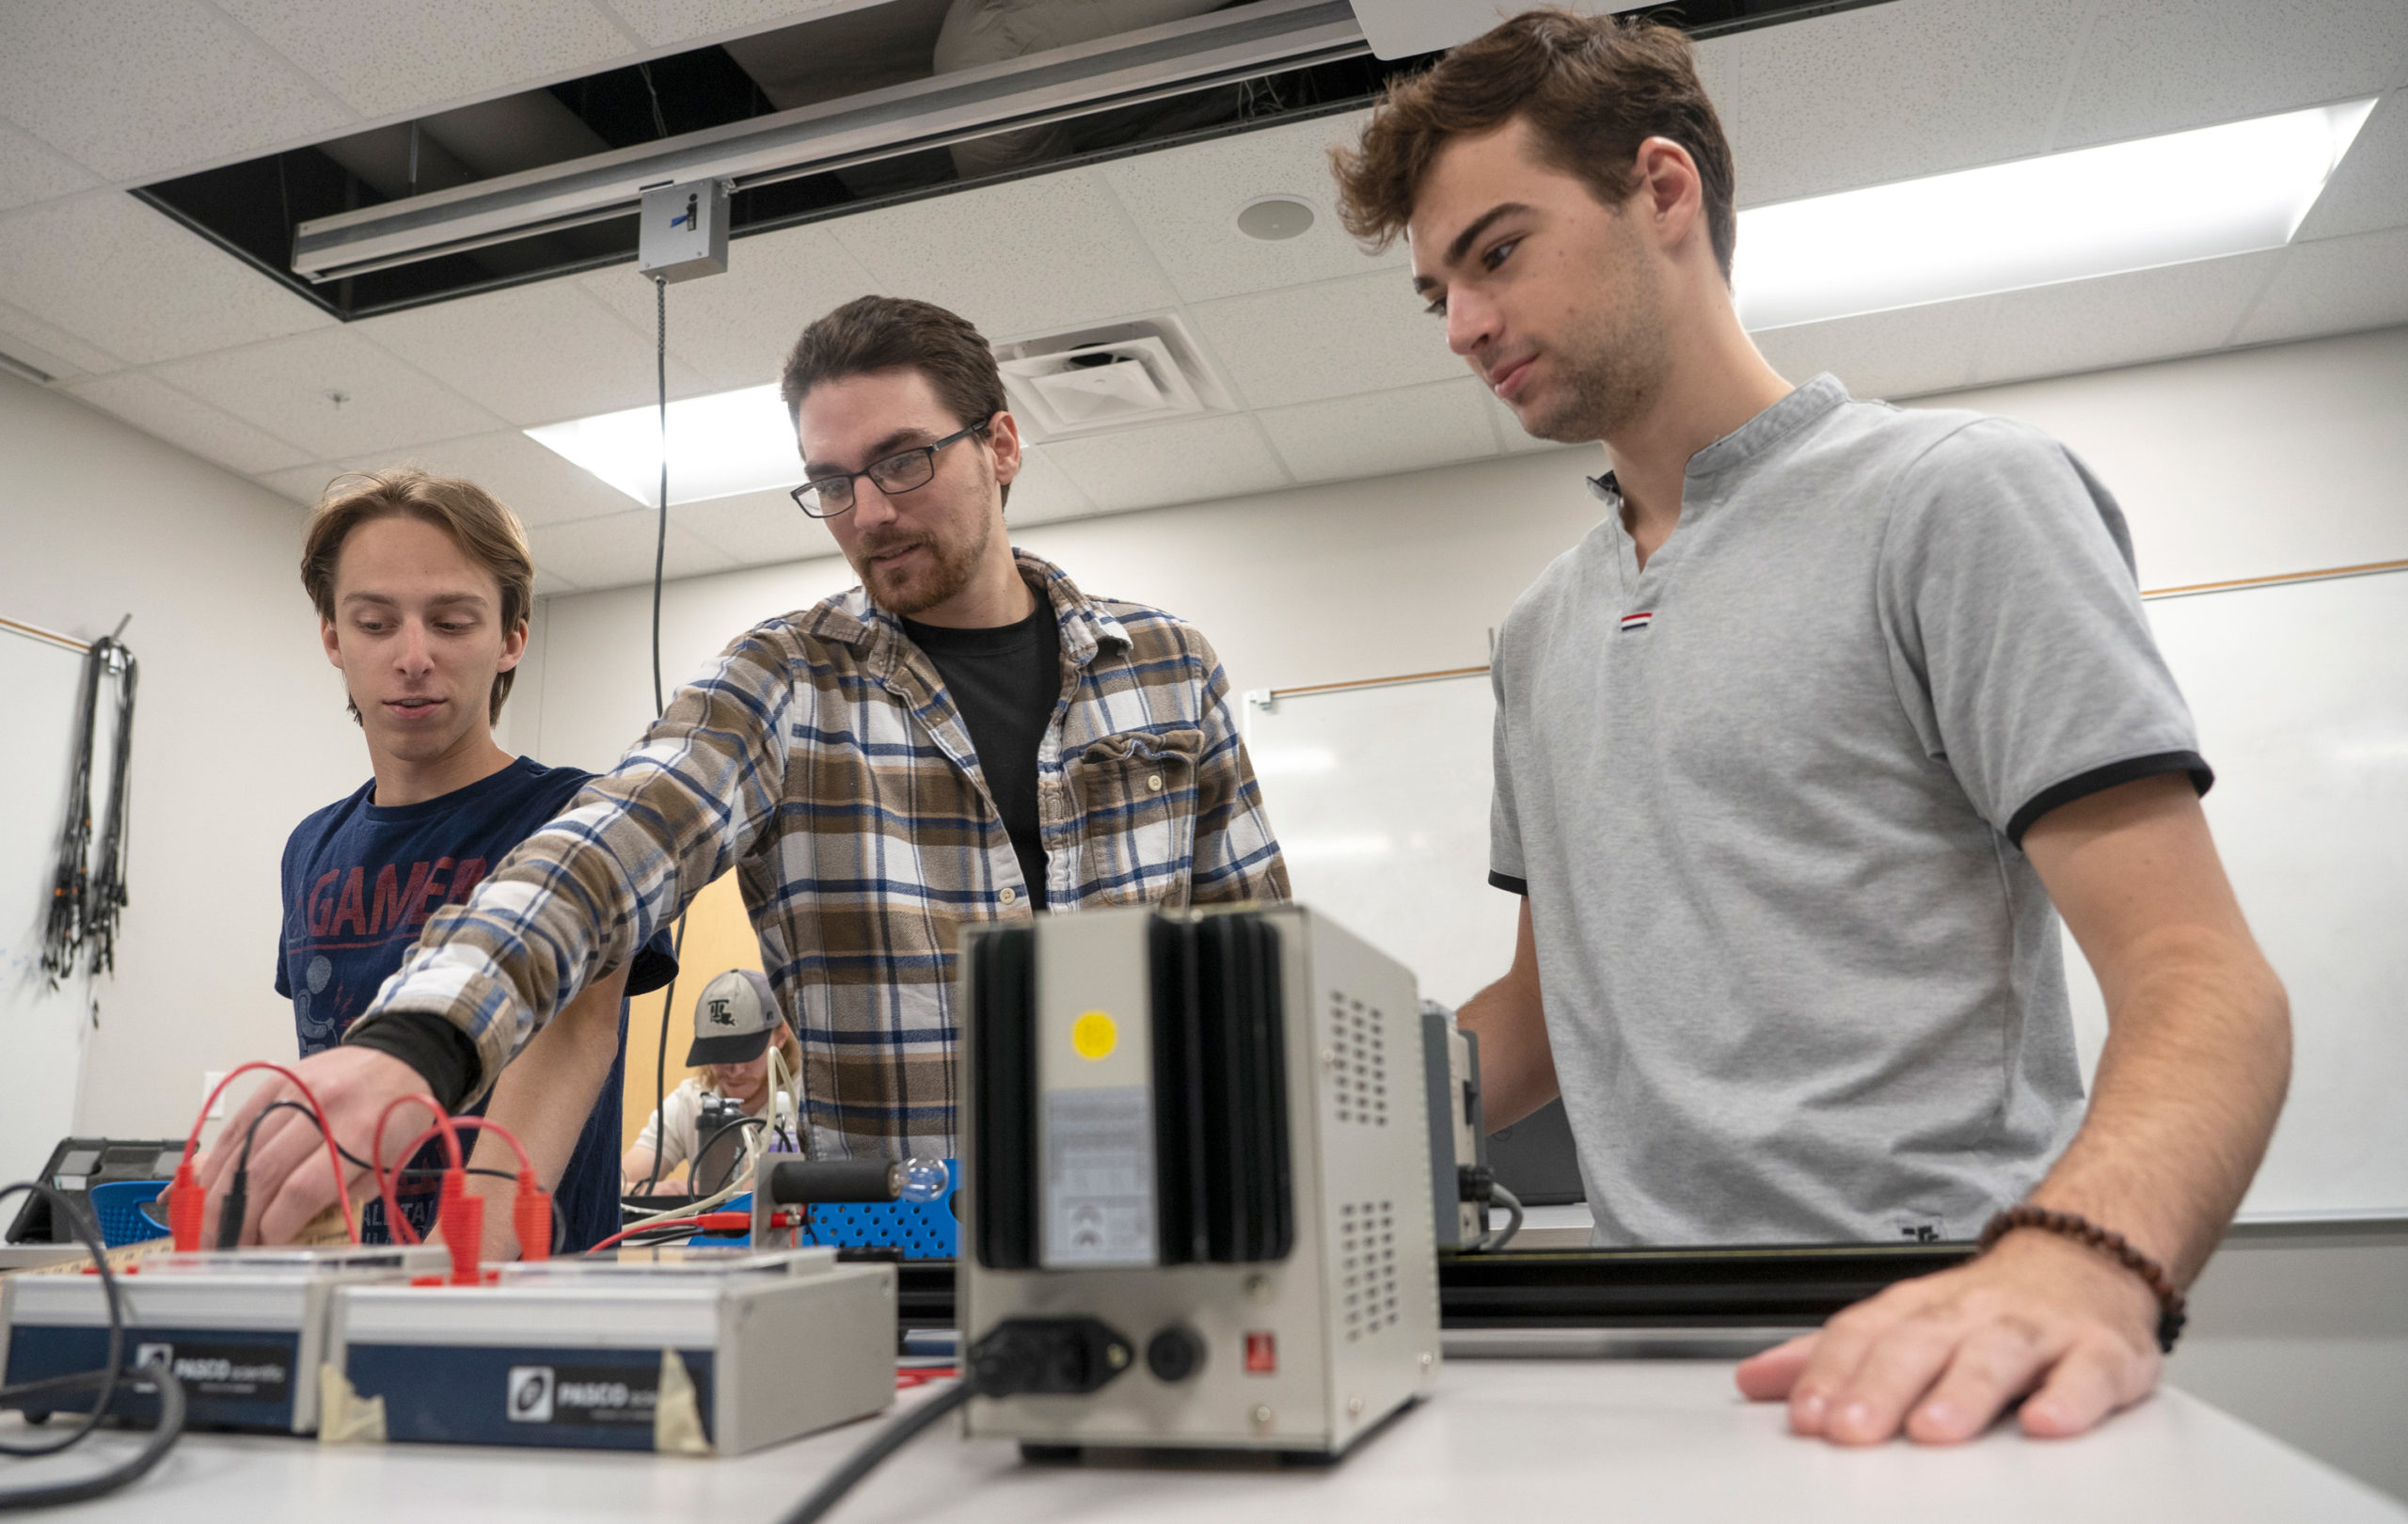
1766, 799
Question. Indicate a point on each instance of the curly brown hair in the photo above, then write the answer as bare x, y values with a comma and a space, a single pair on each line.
890, 333
1593, 89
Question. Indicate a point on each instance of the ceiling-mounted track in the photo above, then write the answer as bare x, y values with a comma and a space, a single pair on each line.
1128, 68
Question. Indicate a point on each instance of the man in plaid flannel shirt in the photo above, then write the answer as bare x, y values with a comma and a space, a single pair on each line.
965, 736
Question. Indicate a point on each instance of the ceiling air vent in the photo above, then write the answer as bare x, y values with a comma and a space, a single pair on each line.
1142, 372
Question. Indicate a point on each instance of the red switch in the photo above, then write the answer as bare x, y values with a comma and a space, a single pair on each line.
1262, 1352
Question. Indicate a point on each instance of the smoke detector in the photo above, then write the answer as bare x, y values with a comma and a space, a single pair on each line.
1147, 371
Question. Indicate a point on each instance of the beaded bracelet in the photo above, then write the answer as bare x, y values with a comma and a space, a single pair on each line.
2172, 1311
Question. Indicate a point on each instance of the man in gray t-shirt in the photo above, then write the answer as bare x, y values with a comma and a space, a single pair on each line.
1800, 754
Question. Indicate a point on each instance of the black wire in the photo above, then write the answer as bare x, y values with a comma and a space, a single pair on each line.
163, 1434
243, 1163
738, 1125
901, 1431
660, 533
661, 1060
88, 1234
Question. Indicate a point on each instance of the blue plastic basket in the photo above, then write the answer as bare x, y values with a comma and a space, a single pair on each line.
922, 1230
117, 1205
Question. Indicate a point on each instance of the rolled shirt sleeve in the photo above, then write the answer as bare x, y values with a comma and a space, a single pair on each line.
585, 893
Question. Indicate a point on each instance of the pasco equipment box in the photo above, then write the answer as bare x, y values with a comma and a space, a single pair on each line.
1199, 1194
245, 1329
700, 1350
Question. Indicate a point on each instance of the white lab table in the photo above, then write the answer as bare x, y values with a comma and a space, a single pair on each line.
1516, 1440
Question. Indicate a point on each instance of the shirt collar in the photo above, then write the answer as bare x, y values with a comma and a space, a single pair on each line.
1752, 439
1087, 627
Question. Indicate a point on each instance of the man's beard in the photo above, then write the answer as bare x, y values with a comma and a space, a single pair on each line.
951, 567
1611, 366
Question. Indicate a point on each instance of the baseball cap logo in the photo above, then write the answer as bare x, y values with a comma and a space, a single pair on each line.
722, 1013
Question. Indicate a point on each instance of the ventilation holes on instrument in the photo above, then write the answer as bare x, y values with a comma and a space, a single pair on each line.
1367, 1264
1358, 1069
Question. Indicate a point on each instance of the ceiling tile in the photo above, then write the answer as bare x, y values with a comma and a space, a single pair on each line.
1191, 462
2159, 66
2337, 285
533, 482
661, 22
1043, 492
549, 583
532, 353
181, 85
288, 387
304, 484
41, 344
1186, 203
30, 171
617, 549
159, 409
2370, 188
118, 275
734, 330
1384, 432
1307, 342
2120, 320
386, 59
1893, 91
759, 529
1899, 353
1021, 257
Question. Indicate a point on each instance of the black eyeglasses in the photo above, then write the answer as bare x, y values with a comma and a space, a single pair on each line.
906, 470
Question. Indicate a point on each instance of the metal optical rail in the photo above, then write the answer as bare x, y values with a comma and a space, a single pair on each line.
1674, 1288
1126, 69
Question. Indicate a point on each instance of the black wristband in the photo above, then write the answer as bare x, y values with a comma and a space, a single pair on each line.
444, 1056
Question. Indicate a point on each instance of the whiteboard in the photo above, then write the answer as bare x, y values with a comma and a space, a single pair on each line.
41, 1030
1380, 797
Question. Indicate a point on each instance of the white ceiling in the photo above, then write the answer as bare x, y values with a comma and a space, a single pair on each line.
1337, 374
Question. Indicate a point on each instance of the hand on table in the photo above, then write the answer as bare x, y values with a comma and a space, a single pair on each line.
290, 1181
1941, 1356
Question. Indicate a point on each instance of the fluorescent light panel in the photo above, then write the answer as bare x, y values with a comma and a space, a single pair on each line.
719, 446
2198, 195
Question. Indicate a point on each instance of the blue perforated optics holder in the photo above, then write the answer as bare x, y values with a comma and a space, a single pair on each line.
922, 1230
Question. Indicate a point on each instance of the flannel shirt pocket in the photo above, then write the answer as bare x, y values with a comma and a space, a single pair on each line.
1136, 799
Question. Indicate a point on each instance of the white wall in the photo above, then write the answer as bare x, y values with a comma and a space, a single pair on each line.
238, 730
2232, 464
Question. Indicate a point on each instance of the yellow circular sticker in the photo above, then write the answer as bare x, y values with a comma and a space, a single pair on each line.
1094, 1035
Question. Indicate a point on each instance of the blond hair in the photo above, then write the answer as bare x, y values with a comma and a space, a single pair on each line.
487, 532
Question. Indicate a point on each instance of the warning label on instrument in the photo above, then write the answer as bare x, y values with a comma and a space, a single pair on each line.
1098, 1177
582, 1393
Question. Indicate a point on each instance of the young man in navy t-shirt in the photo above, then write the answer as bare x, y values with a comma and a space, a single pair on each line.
422, 586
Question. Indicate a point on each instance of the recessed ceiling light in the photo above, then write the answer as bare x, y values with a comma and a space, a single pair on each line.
1273, 218
2198, 195
719, 446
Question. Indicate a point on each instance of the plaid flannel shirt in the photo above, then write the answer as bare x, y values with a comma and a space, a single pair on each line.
820, 757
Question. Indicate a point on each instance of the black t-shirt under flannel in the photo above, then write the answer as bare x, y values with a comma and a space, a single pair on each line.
1006, 682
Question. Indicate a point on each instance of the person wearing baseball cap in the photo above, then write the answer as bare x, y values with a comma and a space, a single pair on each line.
735, 1025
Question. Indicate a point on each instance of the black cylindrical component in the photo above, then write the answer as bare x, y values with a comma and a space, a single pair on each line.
800, 1181
1175, 1354
1475, 1182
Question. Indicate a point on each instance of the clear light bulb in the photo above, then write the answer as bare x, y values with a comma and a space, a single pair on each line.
925, 1180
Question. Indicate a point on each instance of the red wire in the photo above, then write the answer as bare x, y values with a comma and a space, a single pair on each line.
325, 1135
395, 1224
709, 1222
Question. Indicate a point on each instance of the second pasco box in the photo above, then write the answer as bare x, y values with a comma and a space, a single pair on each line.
718, 1350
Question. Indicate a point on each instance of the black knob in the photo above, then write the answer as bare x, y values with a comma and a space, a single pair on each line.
1175, 1354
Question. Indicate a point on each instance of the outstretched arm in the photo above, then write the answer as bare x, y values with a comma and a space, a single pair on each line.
2192, 1076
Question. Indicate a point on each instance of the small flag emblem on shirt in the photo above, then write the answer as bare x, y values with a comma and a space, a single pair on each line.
1638, 621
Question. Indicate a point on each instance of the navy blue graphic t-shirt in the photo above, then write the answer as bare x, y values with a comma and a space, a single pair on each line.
361, 880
